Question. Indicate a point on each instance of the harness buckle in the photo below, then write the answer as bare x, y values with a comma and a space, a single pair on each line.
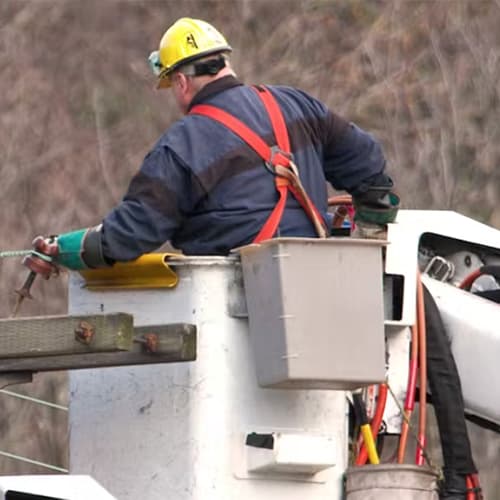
276, 152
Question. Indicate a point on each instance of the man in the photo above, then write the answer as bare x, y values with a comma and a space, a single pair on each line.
204, 189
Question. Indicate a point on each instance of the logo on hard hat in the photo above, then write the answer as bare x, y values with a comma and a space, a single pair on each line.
191, 41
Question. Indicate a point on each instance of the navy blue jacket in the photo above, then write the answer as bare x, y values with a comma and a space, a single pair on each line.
206, 191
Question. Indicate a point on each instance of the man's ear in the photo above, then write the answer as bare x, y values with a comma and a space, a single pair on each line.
182, 81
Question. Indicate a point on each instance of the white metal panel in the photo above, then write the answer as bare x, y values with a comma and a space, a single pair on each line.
404, 236
472, 324
175, 431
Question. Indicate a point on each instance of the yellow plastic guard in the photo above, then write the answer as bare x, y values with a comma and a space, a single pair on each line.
149, 271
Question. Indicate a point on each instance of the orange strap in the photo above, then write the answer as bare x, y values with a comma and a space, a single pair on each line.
280, 156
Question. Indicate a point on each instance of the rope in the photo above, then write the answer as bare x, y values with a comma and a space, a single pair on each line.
22, 253
29, 460
33, 462
46, 258
14, 253
34, 400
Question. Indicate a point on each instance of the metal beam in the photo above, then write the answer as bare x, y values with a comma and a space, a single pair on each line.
170, 344
63, 335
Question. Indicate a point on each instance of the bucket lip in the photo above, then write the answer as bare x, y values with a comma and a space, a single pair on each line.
287, 240
422, 469
203, 260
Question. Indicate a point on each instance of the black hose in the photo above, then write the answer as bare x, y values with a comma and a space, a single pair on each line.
444, 383
491, 269
493, 295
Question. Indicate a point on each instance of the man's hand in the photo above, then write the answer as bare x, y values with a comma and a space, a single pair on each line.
42, 260
47, 246
373, 212
81, 249
369, 231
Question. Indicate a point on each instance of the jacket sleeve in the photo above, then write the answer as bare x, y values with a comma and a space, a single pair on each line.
354, 160
156, 202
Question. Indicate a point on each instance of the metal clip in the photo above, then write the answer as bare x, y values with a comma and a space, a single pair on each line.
270, 165
440, 269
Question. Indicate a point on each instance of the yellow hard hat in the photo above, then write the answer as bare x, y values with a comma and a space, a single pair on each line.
185, 41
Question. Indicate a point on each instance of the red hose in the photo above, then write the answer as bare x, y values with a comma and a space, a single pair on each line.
375, 424
422, 416
476, 485
467, 282
470, 488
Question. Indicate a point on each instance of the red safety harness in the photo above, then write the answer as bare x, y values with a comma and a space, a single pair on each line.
278, 159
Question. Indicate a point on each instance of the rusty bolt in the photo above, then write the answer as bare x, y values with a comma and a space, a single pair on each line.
84, 332
150, 341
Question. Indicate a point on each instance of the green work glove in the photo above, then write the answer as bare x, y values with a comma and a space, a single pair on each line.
377, 210
70, 249
81, 249
374, 211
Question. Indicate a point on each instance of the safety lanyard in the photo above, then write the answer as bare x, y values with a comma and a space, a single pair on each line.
278, 159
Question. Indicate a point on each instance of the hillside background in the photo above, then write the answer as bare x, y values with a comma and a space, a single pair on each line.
78, 112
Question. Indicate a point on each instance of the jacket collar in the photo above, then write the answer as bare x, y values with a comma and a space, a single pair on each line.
212, 88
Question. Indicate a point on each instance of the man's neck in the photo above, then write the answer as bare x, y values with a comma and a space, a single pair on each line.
217, 85
202, 81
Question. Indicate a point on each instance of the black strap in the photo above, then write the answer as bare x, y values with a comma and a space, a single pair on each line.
210, 67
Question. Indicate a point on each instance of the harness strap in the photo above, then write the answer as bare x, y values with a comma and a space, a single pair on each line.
236, 126
276, 116
286, 178
295, 186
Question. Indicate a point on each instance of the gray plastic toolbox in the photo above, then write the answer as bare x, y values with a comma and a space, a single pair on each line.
316, 312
